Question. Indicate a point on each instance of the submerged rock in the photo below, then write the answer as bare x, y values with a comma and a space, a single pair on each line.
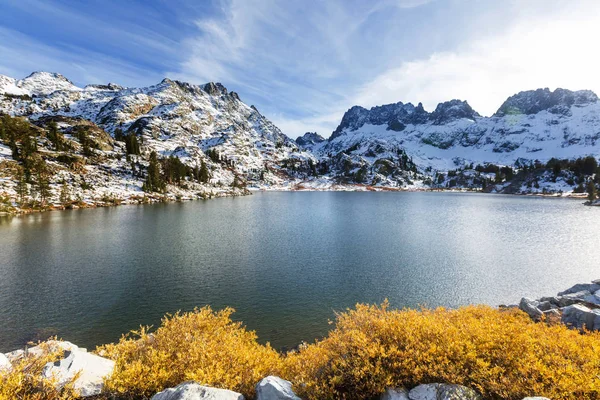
195, 391
275, 388
443, 391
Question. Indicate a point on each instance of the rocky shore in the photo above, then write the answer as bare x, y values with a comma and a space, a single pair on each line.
577, 307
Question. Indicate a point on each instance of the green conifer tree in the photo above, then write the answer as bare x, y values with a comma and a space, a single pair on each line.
154, 181
203, 174
591, 191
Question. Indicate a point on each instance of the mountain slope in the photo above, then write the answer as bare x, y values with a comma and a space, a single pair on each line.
530, 127
198, 124
99, 141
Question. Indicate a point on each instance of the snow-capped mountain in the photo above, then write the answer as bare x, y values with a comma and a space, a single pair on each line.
395, 145
36, 84
171, 117
309, 139
529, 126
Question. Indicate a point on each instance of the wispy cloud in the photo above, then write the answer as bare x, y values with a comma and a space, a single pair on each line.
304, 63
532, 53
21, 55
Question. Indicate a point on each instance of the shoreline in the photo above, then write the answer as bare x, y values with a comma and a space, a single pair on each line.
150, 198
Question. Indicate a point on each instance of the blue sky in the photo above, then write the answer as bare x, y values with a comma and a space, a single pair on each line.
304, 62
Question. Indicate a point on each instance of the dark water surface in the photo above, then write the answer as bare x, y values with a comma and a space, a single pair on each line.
285, 261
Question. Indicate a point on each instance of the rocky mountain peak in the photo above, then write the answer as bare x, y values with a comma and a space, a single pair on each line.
309, 139
452, 110
110, 86
214, 89
43, 75
535, 101
42, 83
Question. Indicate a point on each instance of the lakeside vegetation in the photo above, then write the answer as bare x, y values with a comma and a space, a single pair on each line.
500, 353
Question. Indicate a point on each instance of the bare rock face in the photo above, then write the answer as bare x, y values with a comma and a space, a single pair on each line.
556, 102
275, 388
195, 391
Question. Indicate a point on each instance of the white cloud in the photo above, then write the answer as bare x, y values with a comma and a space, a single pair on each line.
560, 51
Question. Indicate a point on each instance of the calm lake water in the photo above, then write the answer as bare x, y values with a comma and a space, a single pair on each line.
284, 261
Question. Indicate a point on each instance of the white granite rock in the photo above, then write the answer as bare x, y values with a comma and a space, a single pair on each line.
5, 363
92, 369
275, 388
195, 391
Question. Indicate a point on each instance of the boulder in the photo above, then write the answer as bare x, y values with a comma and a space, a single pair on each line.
275, 388
530, 307
546, 306
567, 300
581, 287
92, 369
395, 394
5, 363
580, 317
50, 345
593, 298
195, 391
442, 391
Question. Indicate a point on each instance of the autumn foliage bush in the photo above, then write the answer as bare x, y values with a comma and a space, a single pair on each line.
26, 382
500, 353
203, 346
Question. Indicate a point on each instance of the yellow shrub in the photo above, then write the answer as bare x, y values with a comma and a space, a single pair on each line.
501, 354
202, 345
25, 382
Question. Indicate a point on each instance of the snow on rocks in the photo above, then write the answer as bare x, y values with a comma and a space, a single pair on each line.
275, 388
195, 391
5, 363
577, 307
92, 369
393, 146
